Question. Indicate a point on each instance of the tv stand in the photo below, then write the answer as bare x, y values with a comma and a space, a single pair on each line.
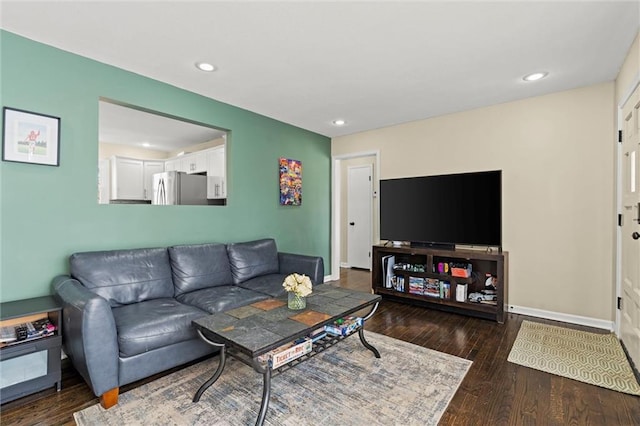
420, 277
438, 246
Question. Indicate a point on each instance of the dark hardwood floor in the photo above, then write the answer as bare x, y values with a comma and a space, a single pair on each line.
494, 392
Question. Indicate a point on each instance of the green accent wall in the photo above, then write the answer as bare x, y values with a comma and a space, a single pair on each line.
47, 213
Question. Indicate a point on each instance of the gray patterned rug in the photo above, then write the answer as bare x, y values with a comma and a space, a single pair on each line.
345, 385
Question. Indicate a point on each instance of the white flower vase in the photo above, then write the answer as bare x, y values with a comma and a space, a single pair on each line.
296, 302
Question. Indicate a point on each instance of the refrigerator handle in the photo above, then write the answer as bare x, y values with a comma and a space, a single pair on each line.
162, 196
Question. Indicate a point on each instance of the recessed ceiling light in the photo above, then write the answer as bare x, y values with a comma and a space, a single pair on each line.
339, 122
204, 66
146, 144
535, 76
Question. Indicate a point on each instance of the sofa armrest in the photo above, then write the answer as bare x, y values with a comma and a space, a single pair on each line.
312, 266
88, 333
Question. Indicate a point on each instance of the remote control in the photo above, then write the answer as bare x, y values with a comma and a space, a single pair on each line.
21, 332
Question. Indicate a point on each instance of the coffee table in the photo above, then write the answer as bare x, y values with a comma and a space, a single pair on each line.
248, 332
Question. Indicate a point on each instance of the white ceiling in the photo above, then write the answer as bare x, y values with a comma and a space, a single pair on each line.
373, 64
128, 126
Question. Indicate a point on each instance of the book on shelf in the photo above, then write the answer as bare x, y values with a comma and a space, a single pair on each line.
432, 288
416, 285
445, 290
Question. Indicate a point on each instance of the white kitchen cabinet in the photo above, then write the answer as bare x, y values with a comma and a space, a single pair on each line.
194, 163
171, 165
127, 179
215, 188
150, 168
215, 161
216, 173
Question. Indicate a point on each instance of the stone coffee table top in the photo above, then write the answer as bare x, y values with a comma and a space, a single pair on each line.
257, 328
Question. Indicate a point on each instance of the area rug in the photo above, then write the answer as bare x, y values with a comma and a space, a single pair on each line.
344, 385
597, 359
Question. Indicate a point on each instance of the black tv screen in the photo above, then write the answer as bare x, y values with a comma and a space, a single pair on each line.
449, 209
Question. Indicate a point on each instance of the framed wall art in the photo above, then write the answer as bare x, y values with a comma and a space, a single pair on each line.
290, 182
29, 137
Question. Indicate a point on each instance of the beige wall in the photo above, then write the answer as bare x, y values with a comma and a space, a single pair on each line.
198, 147
344, 201
557, 156
106, 150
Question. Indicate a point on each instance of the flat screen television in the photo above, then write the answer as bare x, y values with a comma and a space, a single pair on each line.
443, 210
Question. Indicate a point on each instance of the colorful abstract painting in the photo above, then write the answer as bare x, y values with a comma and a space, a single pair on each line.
290, 182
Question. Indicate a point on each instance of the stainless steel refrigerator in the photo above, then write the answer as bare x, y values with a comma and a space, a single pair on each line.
179, 188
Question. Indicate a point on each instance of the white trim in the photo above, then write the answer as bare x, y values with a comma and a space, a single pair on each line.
335, 202
328, 278
618, 207
559, 316
634, 84
345, 265
617, 260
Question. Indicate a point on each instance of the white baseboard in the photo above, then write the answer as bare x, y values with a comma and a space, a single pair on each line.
559, 316
328, 278
344, 265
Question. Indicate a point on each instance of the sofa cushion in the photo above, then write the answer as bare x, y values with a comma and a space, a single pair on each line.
199, 266
252, 259
152, 324
221, 298
124, 276
268, 284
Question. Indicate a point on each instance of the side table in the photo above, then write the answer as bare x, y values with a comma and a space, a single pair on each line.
31, 365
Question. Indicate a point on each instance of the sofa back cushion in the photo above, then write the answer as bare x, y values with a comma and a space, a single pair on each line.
124, 276
252, 259
199, 266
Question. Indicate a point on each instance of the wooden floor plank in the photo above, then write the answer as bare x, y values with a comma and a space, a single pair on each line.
494, 392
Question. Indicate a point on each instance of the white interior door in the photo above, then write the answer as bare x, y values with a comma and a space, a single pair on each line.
359, 211
630, 230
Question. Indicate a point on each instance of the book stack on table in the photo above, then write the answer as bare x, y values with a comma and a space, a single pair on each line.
286, 353
343, 326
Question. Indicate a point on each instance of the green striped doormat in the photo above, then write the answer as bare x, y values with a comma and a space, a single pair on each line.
597, 359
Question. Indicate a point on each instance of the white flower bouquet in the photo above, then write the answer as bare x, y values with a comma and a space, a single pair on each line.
299, 284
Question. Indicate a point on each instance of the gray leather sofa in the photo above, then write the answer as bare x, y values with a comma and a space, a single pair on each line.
127, 313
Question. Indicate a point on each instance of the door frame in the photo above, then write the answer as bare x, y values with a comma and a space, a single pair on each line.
369, 167
618, 178
336, 219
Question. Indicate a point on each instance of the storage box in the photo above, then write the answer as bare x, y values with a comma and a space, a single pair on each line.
461, 293
343, 327
286, 353
461, 271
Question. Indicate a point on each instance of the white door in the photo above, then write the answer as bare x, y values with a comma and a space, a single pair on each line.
359, 208
630, 230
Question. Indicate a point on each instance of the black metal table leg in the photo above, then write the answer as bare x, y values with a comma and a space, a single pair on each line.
367, 344
266, 392
213, 378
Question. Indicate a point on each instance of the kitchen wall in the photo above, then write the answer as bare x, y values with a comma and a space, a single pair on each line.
557, 155
47, 213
